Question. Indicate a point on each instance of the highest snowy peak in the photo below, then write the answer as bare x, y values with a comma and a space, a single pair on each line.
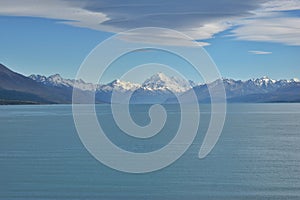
160, 81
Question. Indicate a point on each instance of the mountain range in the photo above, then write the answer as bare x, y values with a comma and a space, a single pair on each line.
159, 88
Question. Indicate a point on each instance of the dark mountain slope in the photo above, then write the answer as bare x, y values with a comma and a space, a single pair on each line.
15, 86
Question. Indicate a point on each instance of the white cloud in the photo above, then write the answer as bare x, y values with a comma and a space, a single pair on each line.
160, 36
285, 30
200, 20
259, 52
280, 5
164, 38
54, 9
270, 24
255, 20
207, 30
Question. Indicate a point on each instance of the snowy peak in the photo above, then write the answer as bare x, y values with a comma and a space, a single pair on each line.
58, 81
157, 82
264, 81
119, 85
38, 78
160, 81
272, 83
56, 78
294, 80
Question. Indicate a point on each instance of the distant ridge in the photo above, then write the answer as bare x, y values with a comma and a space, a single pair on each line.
260, 90
159, 88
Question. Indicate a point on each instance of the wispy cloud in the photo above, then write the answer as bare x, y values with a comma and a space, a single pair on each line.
159, 36
255, 20
199, 19
260, 52
272, 23
71, 14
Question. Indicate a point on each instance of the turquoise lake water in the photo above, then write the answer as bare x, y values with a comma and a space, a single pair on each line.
256, 157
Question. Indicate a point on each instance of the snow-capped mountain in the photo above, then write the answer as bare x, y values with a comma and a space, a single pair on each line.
36, 89
158, 88
58, 81
158, 82
253, 90
162, 88
162, 82
119, 85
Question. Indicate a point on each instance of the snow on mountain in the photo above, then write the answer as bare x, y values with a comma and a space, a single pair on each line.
119, 85
58, 81
162, 82
264, 81
157, 89
160, 87
294, 80
263, 84
158, 82
262, 89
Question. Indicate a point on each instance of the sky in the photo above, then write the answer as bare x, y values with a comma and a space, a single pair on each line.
245, 39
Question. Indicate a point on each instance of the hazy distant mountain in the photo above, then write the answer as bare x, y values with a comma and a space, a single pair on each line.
159, 88
253, 90
58, 81
158, 81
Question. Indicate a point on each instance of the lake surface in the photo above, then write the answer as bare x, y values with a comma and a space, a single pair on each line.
256, 157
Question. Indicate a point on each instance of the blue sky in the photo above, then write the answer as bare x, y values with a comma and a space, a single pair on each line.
244, 38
